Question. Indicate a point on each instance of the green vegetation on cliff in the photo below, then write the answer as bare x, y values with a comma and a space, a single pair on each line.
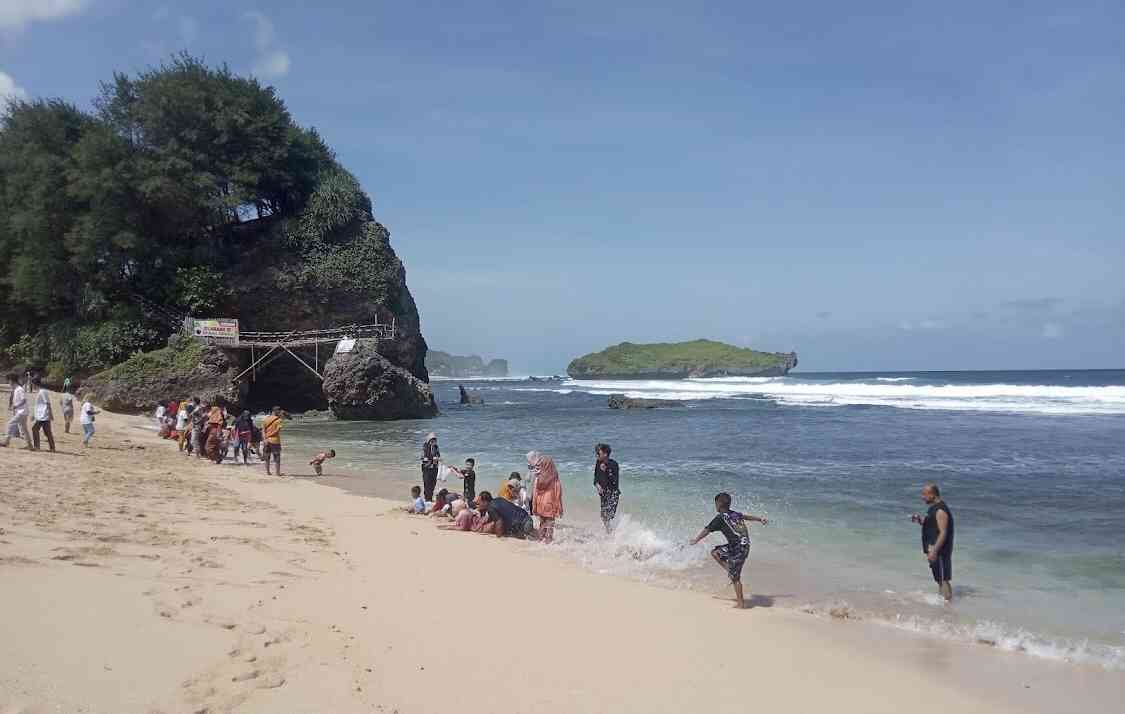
678, 360
182, 355
188, 187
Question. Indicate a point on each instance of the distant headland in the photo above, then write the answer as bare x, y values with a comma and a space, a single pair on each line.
443, 364
680, 360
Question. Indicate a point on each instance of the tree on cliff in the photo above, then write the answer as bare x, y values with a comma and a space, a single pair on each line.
175, 176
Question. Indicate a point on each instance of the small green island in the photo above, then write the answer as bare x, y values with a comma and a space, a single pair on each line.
680, 360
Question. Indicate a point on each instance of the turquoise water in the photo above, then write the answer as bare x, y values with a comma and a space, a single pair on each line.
1032, 464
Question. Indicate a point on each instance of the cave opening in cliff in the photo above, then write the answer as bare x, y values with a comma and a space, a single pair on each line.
286, 383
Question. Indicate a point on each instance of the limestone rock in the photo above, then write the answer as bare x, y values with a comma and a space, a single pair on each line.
183, 369
620, 401
470, 397
364, 384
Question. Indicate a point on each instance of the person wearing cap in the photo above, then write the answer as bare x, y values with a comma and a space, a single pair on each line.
431, 460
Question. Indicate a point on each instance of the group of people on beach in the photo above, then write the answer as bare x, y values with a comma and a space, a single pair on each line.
39, 410
512, 511
210, 432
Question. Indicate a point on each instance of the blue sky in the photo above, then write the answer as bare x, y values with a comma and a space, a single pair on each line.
876, 185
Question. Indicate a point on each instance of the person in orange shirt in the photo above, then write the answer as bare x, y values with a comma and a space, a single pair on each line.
271, 433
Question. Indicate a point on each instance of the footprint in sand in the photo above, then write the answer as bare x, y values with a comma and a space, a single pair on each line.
246, 676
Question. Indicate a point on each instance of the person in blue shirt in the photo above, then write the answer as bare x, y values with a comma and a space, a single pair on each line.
732, 556
417, 504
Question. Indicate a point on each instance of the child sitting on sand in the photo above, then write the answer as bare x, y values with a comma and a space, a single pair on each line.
320, 459
443, 503
418, 505
464, 518
731, 556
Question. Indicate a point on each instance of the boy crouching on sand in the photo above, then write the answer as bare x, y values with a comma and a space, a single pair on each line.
731, 556
319, 460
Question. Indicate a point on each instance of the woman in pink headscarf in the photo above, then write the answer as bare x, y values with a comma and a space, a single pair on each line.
548, 503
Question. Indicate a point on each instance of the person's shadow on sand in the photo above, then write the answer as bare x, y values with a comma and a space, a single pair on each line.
756, 600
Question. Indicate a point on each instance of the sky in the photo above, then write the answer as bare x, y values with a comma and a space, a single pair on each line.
876, 185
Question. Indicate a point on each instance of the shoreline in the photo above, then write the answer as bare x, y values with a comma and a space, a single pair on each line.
264, 594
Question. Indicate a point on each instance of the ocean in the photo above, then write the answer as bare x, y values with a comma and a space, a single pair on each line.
1032, 464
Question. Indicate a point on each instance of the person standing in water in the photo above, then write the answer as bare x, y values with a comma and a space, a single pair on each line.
431, 460
607, 476
937, 538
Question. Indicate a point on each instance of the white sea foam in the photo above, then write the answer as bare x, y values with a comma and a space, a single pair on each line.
1027, 398
633, 550
983, 632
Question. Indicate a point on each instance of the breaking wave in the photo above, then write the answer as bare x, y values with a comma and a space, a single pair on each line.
1026, 398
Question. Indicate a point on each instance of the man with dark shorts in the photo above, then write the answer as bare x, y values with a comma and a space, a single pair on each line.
937, 538
607, 480
504, 518
731, 556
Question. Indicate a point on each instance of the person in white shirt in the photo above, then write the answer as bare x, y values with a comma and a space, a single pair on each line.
43, 415
17, 422
160, 415
67, 407
86, 418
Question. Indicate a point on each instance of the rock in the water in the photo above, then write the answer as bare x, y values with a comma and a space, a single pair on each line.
185, 368
468, 397
620, 401
363, 384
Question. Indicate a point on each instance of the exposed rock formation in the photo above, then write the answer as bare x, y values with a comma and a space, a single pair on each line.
364, 384
443, 364
468, 397
620, 401
681, 360
184, 369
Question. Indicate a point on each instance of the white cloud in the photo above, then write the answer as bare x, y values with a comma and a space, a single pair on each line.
1052, 330
274, 63
18, 14
271, 61
9, 90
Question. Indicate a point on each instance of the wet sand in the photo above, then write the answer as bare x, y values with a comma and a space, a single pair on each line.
137, 580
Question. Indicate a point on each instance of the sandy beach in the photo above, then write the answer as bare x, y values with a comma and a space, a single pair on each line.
134, 579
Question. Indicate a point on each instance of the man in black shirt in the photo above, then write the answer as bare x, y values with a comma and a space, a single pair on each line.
504, 518
731, 556
937, 538
607, 480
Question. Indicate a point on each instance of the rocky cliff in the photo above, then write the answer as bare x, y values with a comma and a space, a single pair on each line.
365, 384
443, 364
330, 265
681, 360
185, 368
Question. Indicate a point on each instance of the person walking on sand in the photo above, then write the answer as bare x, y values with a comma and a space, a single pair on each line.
67, 401
731, 556
17, 422
607, 476
937, 538
431, 460
548, 500
86, 419
43, 415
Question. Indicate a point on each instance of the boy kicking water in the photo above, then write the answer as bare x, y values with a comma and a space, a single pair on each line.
731, 556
